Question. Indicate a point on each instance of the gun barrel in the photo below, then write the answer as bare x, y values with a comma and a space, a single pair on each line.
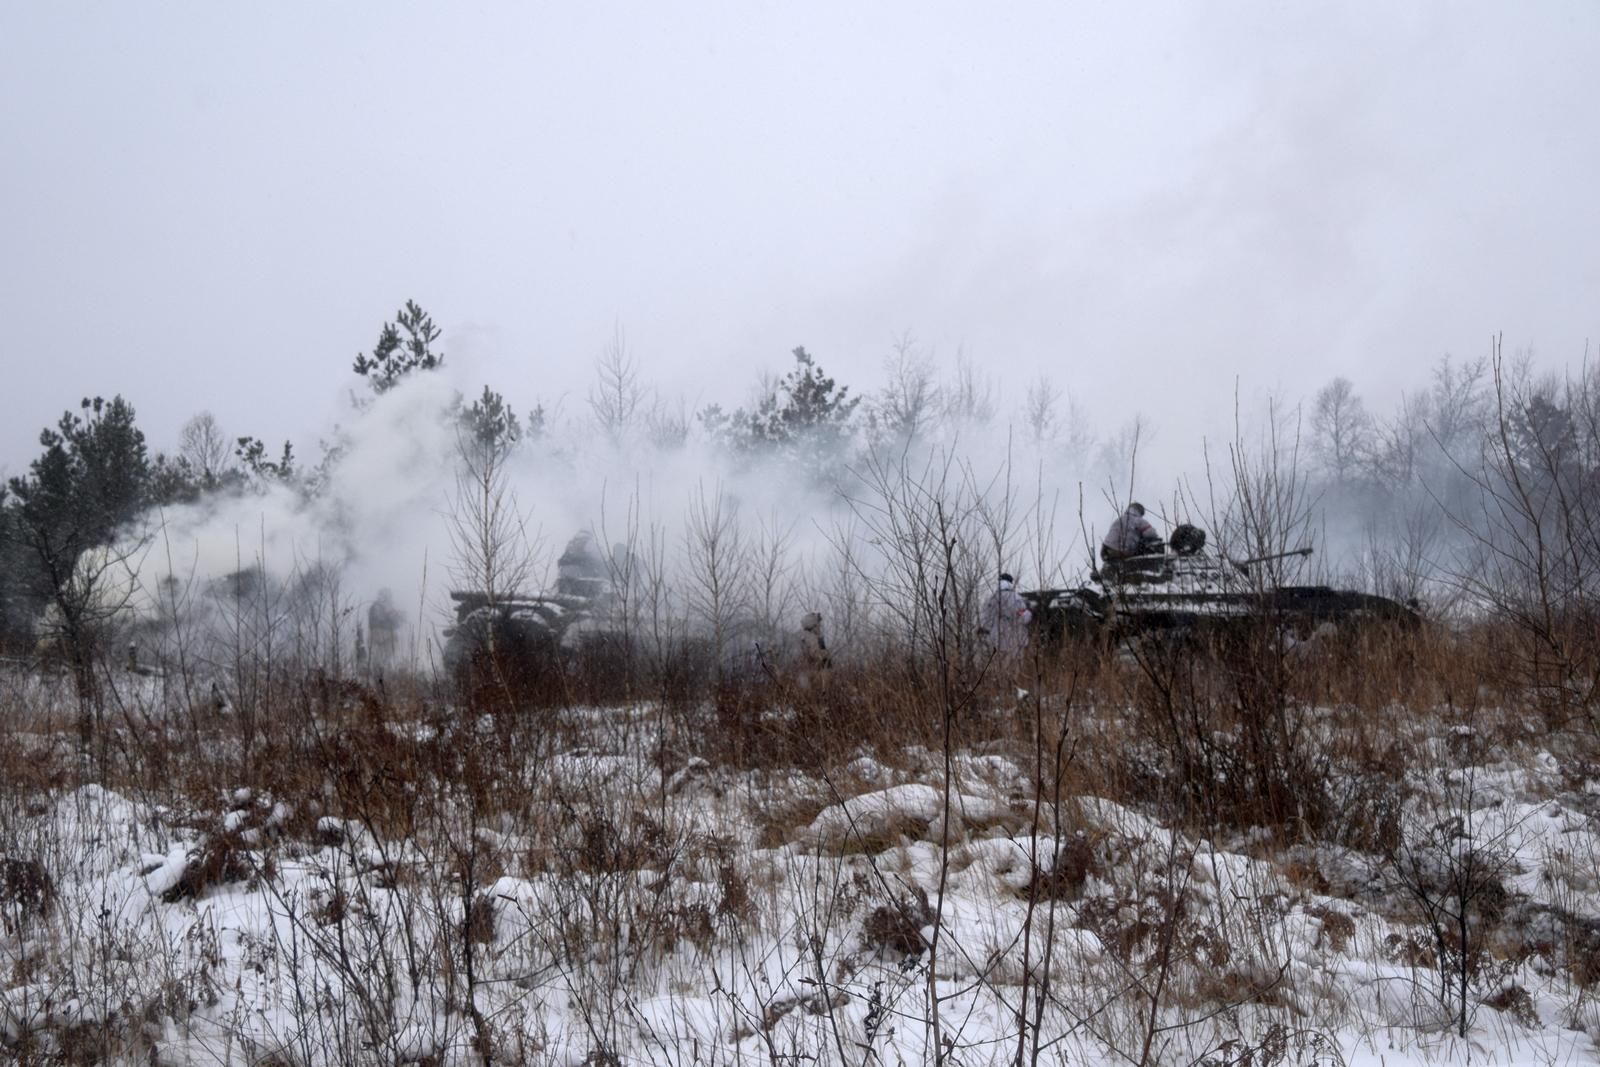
1304, 550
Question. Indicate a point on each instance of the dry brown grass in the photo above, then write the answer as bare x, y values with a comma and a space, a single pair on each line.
1313, 743
1245, 735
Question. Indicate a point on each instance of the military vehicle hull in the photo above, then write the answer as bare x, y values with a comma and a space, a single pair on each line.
1203, 594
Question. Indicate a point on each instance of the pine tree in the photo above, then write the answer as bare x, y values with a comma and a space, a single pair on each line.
252, 454
92, 478
394, 357
91, 481
806, 416
490, 424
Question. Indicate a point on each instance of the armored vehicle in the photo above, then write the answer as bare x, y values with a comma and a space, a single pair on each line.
533, 629
1184, 587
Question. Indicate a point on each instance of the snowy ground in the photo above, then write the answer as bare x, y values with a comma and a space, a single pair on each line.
631, 913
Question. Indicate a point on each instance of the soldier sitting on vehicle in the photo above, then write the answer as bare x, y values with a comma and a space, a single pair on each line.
581, 570
1131, 547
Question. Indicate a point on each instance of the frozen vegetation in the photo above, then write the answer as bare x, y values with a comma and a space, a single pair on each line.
743, 772
384, 880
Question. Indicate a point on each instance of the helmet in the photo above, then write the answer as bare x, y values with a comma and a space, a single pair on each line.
1137, 508
1004, 577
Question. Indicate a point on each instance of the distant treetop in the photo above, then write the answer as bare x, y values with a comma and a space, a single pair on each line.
393, 357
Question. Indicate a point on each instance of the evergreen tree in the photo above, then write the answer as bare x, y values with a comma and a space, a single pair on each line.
174, 480
15, 619
490, 424
813, 405
92, 479
394, 356
252, 454
806, 416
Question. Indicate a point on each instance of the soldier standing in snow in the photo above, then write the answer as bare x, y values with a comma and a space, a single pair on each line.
1004, 618
814, 652
383, 631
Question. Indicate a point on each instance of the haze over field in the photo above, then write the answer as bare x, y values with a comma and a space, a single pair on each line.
616, 533
214, 207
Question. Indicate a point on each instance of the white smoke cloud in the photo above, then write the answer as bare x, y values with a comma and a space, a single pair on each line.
382, 518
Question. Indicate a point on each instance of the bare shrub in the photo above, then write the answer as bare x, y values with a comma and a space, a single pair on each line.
1452, 864
1535, 530
27, 892
1230, 737
218, 861
1064, 878
897, 926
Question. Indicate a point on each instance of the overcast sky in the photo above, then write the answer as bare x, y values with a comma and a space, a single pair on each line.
215, 206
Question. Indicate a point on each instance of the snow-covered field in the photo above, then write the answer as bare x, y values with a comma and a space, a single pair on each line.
604, 903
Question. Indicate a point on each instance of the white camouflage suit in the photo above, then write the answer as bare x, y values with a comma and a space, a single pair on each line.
1005, 617
1130, 535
